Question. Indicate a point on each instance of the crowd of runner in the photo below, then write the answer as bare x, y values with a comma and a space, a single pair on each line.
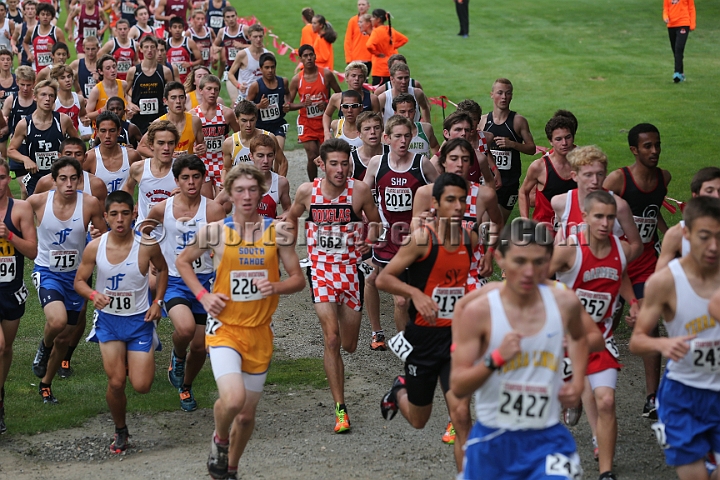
388, 206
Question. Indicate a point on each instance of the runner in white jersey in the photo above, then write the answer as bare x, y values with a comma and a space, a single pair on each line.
153, 176
688, 401
245, 69
705, 183
63, 215
110, 161
424, 140
508, 348
182, 216
400, 83
124, 315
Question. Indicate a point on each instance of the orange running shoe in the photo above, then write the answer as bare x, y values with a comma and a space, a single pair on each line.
449, 435
342, 420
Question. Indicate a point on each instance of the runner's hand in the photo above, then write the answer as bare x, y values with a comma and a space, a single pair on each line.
510, 345
3, 230
425, 306
675, 348
502, 142
265, 287
101, 301
264, 102
200, 149
153, 313
632, 315
486, 266
30, 166
569, 395
213, 303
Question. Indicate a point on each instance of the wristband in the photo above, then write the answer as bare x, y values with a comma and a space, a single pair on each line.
490, 250
201, 294
634, 301
92, 295
497, 358
10, 236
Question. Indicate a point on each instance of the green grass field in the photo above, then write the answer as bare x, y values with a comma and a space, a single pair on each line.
609, 63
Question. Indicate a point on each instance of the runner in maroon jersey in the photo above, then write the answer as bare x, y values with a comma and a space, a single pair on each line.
201, 35
122, 48
397, 175
593, 264
181, 50
550, 174
230, 40
168, 9
643, 186
86, 19
141, 28
39, 41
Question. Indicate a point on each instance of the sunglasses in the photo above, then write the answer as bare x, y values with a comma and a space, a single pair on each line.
351, 105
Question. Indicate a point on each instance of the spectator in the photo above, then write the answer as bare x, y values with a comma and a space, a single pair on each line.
383, 42
679, 15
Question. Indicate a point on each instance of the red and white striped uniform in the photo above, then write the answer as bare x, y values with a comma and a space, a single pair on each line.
215, 131
470, 220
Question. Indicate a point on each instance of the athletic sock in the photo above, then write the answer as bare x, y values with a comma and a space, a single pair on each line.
69, 354
121, 429
232, 469
185, 386
178, 357
220, 441
44, 385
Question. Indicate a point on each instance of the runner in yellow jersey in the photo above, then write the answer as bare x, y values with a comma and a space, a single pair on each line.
246, 252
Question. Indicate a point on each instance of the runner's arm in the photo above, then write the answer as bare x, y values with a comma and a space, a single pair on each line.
432, 139
13, 151
280, 165
530, 182
523, 129
625, 218
96, 212
327, 115
84, 272
161, 270
289, 258
424, 105
200, 148
671, 247
135, 172
27, 243
470, 343
714, 307
577, 347
284, 192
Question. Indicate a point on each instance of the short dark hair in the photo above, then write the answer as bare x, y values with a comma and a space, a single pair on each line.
106, 115
634, 133
123, 21
352, 94
703, 175
245, 107
304, 48
45, 7
59, 46
599, 196
447, 180
73, 141
141, 8
470, 106
148, 38
569, 115
403, 98
559, 121
176, 20
63, 162
4, 164
455, 118
5, 51
189, 161
451, 145
101, 61
699, 207
119, 196
334, 145
173, 85
265, 57
525, 231
229, 9
113, 100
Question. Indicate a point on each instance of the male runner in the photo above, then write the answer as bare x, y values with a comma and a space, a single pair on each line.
397, 175
59, 53
236, 148
436, 263
62, 216
335, 206
244, 297
38, 42
687, 401
370, 127
232, 38
644, 186
18, 239
42, 132
397, 57
551, 174
87, 183
16, 107
201, 35
67, 101
217, 122
345, 127
355, 76
109, 161
593, 265
214, 15
245, 69
125, 322
128, 9
507, 346
182, 215
705, 183
166, 10
313, 87
141, 28
424, 140
85, 69
129, 135
400, 83
29, 22
511, 138
146, 82
270, 94
108, 86
182, 51
122, 48
86, 19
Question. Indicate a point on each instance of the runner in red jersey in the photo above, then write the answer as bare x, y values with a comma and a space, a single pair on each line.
181, 50
313, 86
643, 186
262, 153
67, 101
593, 264
335, 242
87, 20
39, 41
122, 48
397, 175
201, 35
550, 174
230, 39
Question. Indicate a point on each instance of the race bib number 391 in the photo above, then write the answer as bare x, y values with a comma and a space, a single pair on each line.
149, 106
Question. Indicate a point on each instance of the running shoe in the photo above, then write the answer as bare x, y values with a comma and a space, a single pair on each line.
217, 462
231, 476
342, 419
378, 342
176, 371
388, 404
678, 77
3, 428
39, 366
449, 435
47, 396
65, 369
571, 416
650, 410
187, 399
607, 476
121, 441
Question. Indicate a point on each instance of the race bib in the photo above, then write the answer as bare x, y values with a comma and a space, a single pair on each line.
121, 303
149, 106
216, 21
232, 53
706, 355
646, 226
214, 144
181, 68
89, 32
314, 111
7, 269
242, 287
400, 346
270, 113
63, 260
502, 159
205, 54
89, 85
446, 298
398, 199
558, 464
612, 346
332, 242
123, 66
198, 264
44, 59
45, 160
21, 295
300, 128
596, 304
212, 325
567, 369
128, 9
523, 405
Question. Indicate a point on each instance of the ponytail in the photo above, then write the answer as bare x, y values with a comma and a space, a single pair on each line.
330, 34
389, 26
384, 16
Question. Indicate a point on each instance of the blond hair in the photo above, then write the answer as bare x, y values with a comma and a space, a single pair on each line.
25, 73
162, 126
248, 170
46, 83
587, 155
396, 120
60, 70
356, 65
